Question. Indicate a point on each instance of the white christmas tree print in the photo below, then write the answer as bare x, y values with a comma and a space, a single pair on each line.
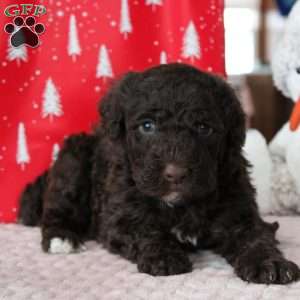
18, 54
22, 149
191, 44
163, 57
73, 46
153, 3
125, 23
51, 105
55, 151
104, 69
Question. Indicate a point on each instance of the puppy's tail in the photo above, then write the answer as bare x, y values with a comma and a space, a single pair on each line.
31, 201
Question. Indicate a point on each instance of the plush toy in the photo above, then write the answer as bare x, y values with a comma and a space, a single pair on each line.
276, 168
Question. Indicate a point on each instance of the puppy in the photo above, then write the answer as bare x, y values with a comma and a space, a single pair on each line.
163, 174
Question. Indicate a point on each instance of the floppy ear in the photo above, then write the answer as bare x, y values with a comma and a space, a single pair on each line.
111, 108
233, 162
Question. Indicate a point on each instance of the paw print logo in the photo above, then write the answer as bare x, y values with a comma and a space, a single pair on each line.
24, 32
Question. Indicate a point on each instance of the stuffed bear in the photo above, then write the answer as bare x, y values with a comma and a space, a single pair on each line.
276, 167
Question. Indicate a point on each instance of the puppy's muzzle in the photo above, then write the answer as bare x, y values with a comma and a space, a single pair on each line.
175, 177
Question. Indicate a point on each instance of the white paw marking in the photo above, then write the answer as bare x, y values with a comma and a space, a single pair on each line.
184, 239
59, 246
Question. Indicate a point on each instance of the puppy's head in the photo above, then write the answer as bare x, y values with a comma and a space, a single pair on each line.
182, 130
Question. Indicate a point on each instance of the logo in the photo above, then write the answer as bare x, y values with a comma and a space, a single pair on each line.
24, 29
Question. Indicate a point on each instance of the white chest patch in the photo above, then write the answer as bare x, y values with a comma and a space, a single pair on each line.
191, 239
59, 246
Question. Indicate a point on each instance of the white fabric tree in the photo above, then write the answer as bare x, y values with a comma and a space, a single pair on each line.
51, 105
153, 3
55, 151
22, 156
104, 69
163, 57
18, 54
73, 46
125, 23
191, 44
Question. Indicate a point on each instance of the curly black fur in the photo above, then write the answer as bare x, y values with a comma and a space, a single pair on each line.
163, 174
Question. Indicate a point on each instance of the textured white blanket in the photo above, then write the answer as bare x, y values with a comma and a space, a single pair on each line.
28, 274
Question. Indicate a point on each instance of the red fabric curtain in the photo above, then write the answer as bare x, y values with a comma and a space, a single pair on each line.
51, 91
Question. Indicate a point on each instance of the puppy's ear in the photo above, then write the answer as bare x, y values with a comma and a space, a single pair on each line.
233, 161
112, 105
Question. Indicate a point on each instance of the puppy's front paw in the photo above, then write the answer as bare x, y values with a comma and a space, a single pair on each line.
164, 264
269, 271
62, 242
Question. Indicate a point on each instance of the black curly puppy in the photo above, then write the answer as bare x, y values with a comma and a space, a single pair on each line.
163, 174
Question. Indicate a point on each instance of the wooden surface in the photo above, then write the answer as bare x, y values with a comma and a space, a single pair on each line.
271, 108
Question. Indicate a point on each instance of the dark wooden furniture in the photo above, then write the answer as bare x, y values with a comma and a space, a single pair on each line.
271, 108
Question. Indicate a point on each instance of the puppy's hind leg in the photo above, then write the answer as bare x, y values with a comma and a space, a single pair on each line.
67, 212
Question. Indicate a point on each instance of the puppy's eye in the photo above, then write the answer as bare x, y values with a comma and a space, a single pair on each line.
298, 70
147, 127
204, 129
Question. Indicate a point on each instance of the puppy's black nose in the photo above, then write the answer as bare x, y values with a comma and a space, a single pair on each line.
174, 174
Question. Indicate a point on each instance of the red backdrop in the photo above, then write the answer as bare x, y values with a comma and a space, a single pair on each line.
52, 90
